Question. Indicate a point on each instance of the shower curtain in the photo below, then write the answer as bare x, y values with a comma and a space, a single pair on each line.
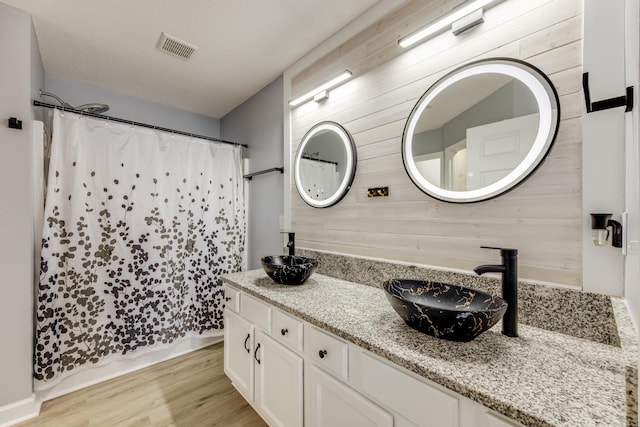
139, 227
323, 178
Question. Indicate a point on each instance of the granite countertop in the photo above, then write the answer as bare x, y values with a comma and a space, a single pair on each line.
541, 378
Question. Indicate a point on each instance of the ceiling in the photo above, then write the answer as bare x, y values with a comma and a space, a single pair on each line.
243, 44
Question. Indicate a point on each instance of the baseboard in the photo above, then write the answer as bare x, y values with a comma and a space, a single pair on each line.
17, 412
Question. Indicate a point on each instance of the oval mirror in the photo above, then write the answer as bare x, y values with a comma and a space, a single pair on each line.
480, 130
325, 164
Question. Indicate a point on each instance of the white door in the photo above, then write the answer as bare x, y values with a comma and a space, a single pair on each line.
494, 149
330, 403
455, 165
278, 382
238, 355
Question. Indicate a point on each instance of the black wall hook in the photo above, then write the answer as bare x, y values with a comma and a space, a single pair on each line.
15, 123
620, 101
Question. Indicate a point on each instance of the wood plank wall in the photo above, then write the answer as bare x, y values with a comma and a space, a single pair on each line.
542, 218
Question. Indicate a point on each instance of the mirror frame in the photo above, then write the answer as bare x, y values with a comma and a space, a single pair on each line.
547, 99
350, 169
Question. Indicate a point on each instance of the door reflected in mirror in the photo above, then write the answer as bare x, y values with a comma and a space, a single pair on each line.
480, 130
325, 164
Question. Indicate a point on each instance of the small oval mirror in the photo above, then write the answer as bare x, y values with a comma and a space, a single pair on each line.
325, 164
480, 130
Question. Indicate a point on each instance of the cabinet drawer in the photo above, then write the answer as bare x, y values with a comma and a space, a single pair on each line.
327, 351
287, 330
427, 406
232, 299
330, 403
255, 311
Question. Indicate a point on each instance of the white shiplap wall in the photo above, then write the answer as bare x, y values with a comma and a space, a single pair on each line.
542, 217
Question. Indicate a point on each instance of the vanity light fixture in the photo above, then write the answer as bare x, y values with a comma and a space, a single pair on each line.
321, 96
443, 23
345, 75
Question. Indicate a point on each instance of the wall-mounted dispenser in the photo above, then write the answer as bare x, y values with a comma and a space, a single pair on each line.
600, 224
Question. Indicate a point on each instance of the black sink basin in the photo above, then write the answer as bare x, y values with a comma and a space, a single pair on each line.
289, 270
443, 310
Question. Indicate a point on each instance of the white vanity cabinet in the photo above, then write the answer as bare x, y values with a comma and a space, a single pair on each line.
415, 402
286, 368
265, 372
238, 353
330, 403
278, 382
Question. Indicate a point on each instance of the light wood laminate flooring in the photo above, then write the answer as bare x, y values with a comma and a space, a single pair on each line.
191, 391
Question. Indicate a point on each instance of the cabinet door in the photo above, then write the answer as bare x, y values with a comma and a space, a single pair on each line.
278, 382
238, 353
330, 403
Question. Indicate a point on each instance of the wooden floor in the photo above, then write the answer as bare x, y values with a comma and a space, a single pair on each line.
190, 391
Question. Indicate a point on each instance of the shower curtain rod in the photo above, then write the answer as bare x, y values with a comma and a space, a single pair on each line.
131, 122
320, 160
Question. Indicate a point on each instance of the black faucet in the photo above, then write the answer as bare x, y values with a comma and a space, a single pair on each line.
291, 244
509, 270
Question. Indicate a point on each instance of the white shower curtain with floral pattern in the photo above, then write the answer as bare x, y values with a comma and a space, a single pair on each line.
139, 227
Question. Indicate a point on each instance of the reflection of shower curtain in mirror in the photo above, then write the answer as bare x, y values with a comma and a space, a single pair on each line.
139, 227
320, 179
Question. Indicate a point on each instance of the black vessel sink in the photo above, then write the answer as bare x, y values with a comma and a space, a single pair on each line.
289, 270
444, 310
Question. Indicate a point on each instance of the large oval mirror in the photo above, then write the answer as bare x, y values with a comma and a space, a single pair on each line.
480, 130
325, 164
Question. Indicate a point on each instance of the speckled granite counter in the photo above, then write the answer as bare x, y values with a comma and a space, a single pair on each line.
542, 378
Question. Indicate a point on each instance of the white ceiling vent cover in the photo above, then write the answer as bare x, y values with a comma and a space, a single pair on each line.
176, 47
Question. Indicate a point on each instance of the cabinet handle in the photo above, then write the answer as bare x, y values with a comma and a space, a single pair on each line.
255, 354
227, 299
322, 353
246, 347
284, 331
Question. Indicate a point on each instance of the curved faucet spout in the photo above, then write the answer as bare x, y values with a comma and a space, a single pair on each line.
488, 268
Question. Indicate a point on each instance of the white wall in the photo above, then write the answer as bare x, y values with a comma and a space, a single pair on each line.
20, 70
632, 122
542, 217
603, 141
604, 135
258, 123
131, 108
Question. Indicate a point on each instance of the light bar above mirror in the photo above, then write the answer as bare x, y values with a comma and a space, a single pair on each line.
444, 22
345, 75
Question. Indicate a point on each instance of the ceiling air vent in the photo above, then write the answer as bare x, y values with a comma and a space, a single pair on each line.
176, 47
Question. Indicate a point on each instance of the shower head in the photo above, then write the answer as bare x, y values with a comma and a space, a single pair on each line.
89, 108
94, 108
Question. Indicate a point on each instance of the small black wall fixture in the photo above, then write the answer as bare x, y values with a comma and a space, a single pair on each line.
15, 123
620, 101
600, 223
